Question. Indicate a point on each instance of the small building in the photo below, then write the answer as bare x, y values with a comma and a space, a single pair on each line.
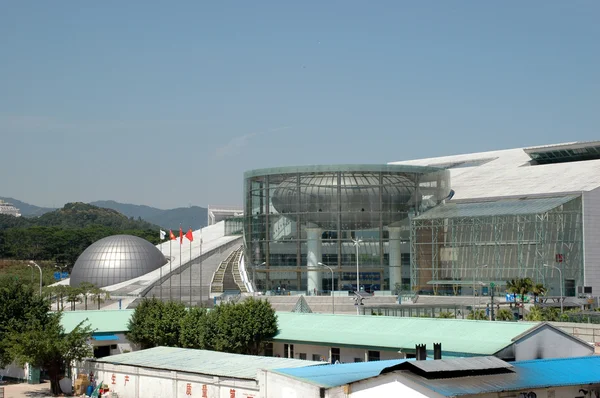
469, 377
351, 338
110, 329
182, 372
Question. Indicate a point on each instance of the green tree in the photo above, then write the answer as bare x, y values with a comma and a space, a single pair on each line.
73, 295
85, 290
504, 314
145, 321
477, 315
197, 330
18, 303
538, 290
521, 286
244, 328
99, 295
44, 343
446, 314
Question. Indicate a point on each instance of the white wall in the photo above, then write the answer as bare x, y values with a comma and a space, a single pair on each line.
347, 355
546, 342
274, 385
14, 371
391, 385
145, 382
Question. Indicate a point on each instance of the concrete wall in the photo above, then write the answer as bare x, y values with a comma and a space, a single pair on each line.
347, 355
273, 385
14, 371
546, 342
137, 382
591, 236
123, 344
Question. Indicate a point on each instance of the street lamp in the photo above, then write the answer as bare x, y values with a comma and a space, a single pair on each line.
561, 284
332, 289
31, 262
476, 277
254, 276
356, 243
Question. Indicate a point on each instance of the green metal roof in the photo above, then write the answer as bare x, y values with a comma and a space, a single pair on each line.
393, 333
204, 362
503, 207
101, 321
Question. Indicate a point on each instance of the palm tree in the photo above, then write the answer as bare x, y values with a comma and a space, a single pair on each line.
520, 287
85, 288
72, 294
99, 295
538, 290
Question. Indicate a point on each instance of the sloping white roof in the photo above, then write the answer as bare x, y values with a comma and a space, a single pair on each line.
508, 173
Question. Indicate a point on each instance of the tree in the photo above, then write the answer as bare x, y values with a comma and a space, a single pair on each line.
85, 289
244, 328
45, 344
504, 314
538, 290
521, 287
144, 322
17, 304
477, 315
73, 295
446, 314
197, 330
99, 295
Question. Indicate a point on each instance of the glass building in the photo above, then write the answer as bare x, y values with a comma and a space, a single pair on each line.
298, 217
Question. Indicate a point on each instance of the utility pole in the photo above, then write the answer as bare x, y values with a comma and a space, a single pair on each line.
492, 286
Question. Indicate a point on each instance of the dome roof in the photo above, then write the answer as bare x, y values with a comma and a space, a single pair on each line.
116, 259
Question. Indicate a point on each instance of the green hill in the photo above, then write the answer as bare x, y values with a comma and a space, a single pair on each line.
26, 209
63, 234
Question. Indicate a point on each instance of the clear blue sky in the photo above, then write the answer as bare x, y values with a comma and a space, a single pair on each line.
168, 103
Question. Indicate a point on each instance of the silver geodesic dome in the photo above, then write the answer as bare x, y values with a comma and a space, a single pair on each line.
115, 259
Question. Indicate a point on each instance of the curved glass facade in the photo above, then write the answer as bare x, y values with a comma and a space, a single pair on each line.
296, 217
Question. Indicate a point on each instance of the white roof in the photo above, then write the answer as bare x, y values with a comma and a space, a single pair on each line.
508, 173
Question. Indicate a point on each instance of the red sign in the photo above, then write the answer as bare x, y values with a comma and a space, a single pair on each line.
126, 379
204, 391
188, 389
113, 379
559, 258
232, 393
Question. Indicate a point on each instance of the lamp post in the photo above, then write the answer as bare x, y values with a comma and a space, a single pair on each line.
356, 243
561, 284
254, 277
332, 289
31, 262
476, 277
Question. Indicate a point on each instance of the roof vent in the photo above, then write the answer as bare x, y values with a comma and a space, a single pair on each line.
437, 350
421, 352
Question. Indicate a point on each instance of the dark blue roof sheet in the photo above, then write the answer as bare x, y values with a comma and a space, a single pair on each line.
339, 374
540, 373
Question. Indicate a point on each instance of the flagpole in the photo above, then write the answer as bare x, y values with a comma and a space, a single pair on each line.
191, 269
180, 243
160, 280
170, 271
200, 268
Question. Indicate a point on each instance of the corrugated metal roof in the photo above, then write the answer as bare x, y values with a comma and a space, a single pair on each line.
337, 375
541, 373
459, 364
393, 333
495, 208
102, 321
204, 362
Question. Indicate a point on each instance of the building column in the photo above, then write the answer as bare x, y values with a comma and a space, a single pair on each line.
395, 250
313, 257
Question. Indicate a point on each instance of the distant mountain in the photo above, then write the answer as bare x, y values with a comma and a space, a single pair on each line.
194, 216
26, 209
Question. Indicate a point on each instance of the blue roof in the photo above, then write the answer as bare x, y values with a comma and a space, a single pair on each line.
337, 375
539, 373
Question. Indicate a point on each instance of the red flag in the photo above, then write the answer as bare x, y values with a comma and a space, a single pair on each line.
190, 235
172, 235
180, 236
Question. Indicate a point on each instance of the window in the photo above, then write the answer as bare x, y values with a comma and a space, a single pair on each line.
335, 355
302, 356
269, 349
288, 349
113, 347
316, 357
358, 360
373, 356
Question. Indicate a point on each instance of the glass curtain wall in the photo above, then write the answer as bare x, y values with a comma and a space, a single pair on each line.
463, 255
284, 208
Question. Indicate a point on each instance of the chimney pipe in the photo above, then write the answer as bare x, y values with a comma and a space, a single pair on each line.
437, 350
421, 352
